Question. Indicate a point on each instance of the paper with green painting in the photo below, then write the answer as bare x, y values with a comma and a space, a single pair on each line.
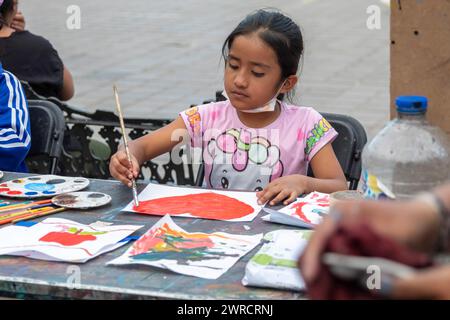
275, 264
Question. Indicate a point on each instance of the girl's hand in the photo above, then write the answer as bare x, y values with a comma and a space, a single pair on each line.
286, 188
18, 22
119, 167
411, 223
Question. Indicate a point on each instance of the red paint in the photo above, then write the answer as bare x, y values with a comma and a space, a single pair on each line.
208, 205
323, 199
299, 210
66, 238
3, 185
13, 193
4, 189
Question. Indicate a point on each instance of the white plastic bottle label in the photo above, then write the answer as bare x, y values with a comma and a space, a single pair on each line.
373, 188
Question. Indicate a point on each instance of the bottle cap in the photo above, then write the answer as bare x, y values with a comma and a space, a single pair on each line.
346, 195
411, 104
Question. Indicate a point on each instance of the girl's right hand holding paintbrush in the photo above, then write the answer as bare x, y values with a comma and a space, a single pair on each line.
119, 167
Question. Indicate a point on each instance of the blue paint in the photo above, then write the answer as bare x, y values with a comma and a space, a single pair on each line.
25, 223
48, 192
39, 187
129, 238
31, 193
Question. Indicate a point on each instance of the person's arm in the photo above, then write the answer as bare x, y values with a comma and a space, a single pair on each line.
413, 223
146, 148
67, 90
15, 136
328, 173
439, 202
430, 283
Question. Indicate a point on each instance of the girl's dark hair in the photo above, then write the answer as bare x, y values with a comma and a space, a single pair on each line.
5, 9
278, 31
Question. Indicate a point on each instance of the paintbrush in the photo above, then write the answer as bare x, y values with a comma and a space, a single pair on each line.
22, 205
125, 142
18, 215
38, 215
16, 210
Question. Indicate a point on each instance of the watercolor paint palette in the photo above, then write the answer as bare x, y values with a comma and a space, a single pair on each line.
41, 186
81, 200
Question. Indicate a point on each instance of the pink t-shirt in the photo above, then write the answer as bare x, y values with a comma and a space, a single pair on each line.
243, 158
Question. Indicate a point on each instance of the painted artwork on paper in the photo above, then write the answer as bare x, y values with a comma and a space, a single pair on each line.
41, 186
305, 212
158, 199
58, 239
204, 255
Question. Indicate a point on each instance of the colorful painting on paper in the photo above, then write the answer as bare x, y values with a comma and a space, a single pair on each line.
41, 186
160, 200
58, 239
309, 209
204, 255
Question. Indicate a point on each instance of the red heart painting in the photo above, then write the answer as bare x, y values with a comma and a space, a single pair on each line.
208, 205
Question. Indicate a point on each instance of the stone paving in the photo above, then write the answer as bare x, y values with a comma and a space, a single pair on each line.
165, 55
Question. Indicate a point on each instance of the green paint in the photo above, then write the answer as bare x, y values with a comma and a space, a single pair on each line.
265, 260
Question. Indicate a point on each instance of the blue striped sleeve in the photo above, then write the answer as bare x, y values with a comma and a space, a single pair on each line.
15, 137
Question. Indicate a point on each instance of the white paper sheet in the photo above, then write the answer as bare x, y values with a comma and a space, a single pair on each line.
197, 203
203, 255
57, 239
305, 212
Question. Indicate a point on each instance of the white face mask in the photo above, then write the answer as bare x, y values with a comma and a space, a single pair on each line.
269, 106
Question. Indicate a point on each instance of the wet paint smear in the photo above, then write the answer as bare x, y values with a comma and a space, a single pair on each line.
208, 205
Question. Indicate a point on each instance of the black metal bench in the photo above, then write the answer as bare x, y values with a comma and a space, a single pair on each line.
91, 138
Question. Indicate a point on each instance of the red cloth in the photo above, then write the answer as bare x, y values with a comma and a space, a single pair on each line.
360, 240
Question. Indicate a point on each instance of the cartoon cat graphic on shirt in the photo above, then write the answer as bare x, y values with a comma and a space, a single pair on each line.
234, 154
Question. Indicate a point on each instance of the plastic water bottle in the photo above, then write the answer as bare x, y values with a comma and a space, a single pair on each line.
407, 156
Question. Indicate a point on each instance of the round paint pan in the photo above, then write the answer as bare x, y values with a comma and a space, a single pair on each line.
43, 186
81, 200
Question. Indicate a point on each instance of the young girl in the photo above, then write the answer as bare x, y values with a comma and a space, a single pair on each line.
253, 141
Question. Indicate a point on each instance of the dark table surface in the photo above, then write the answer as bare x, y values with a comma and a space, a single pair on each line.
28, 278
